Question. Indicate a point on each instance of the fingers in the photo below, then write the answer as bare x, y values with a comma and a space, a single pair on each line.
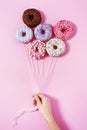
43, 97
38, 100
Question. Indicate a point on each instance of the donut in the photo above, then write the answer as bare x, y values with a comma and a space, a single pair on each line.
43, 32
63, 29
24, 34
36, 49
31, 17
55, 47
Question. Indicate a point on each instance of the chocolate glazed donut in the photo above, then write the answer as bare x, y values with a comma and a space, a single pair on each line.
31, 17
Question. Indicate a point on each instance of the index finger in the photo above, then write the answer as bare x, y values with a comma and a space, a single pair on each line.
42, 96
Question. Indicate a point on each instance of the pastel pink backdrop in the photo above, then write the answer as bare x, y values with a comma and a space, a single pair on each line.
67, 87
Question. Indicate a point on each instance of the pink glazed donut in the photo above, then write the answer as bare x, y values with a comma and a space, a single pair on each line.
36, 49
63, 29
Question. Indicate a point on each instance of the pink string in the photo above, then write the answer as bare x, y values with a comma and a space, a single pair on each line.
33, 65
39, 76
21, 113
51, 66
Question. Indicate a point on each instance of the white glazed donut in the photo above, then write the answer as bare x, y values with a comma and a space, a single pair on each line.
24, 34
55, 47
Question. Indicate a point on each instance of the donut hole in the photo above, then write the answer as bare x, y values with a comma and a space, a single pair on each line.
23, 34
36, 49
63, 29
42, 31
55, 47
31, 16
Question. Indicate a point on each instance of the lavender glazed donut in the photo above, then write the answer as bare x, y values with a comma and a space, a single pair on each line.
43, 32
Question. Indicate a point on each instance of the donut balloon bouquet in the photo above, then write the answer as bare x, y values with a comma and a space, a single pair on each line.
42, 41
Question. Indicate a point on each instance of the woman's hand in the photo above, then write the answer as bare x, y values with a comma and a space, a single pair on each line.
44, 106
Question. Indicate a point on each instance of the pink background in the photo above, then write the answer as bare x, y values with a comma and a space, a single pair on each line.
68, 84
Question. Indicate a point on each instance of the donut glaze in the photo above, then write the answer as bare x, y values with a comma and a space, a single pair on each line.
64, 30
43, 32
31, 17
24, 34
55, 47
36, 49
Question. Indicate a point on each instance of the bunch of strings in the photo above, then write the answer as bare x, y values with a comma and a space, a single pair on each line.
41, 70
